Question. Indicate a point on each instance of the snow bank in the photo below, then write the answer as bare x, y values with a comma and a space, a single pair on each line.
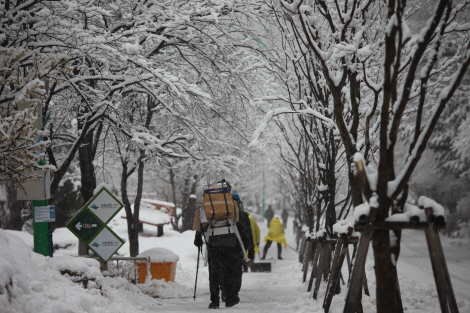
87, 267
32, 283
13, 278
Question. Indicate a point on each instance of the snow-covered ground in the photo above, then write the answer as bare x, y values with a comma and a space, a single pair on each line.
33, 283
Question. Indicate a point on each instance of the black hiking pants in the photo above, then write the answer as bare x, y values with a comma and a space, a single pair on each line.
268, 244
225, 272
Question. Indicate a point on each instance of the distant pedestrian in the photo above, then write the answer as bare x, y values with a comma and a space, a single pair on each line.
269, 214
276, 233
284, 216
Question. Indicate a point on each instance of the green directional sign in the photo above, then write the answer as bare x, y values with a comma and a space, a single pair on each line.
85, 225
89, 225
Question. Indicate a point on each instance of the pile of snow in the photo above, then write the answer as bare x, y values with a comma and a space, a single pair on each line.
30, 282
160, 255
158, 288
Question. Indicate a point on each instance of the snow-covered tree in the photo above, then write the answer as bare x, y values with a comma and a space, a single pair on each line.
364, 66
23, 66
418, 79
19, 153
450, 139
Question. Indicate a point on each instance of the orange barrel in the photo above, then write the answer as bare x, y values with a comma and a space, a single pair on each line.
162, 264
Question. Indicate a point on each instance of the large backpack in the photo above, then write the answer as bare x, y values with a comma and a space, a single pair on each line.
218, 202
220, 213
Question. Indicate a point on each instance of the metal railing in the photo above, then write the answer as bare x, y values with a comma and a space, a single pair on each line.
121, 271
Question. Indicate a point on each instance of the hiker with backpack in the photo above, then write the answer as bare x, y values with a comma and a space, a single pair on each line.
219, 221
276, 233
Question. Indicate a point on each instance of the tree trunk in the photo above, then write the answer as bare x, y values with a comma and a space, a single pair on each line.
88, 178
14, 222
384, 272
175, 220
188, 213
131, 231
134, 230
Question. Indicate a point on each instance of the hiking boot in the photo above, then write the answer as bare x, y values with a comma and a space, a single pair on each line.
229, 304
263, 257
279, 257
213, 305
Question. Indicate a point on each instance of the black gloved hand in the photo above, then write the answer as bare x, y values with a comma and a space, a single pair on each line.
251, 253
198, 240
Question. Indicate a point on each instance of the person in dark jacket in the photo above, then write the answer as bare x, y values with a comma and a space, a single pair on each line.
225, 263
284, 216
269, 214
246, 218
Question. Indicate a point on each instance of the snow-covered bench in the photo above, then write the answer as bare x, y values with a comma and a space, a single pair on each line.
155, 213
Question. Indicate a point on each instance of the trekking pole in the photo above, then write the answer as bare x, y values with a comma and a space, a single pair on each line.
292, 248
197, 270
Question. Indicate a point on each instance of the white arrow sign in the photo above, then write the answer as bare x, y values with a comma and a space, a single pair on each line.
79, 226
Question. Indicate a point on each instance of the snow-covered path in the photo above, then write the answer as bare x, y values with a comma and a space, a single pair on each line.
282, 290
261, 292
414, 264
39, 285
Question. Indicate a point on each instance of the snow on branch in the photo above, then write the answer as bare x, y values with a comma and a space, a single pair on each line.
275, 112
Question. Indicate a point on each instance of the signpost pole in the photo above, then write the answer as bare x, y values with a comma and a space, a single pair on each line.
42, 240
39, 192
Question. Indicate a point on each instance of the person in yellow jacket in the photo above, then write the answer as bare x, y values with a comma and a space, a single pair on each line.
256, 233
276, 233
256, 240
